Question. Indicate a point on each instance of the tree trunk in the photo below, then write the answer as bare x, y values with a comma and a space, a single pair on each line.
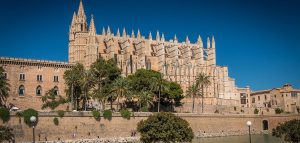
158, 103
111, 103
72, 96
202, 97
193, 103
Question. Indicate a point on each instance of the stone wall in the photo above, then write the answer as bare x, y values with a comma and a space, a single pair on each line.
78, 125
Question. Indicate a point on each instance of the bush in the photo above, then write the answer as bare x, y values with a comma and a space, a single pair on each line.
288, 130
107, 114
4, 114
96, 115
278, 110
242, 111
144, 109
55, 121
60, 113
165, 127
255, 111
28, 113
125, 114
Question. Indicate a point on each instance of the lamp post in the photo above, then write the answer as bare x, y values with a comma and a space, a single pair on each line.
249, 123
33, 120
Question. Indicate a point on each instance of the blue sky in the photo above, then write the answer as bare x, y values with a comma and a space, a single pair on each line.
259, 40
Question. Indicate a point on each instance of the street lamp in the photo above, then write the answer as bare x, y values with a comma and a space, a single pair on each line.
33, 121
249, 123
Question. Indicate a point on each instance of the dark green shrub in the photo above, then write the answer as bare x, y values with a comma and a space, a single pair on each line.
55, 121
165, 127
234, 108
288, 130
96, 115
255, 111
60, 113
28, 113
125, 113
4, 114
107, 114
278, 110
144, 109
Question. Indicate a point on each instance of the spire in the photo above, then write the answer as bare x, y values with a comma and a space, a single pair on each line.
81, 14
163, 37
138, 34
74, 18
187, 39
132, 34
103, 31
175, 38
199, 41
208, 42
213, 44
108, 30
124, 33
118, 32
92, 29
150, 36
157, 36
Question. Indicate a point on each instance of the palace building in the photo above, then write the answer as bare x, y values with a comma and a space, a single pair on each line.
177, 61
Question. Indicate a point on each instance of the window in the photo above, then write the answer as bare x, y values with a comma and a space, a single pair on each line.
39, 78
56, 90
21, 90
55, 78
22, 76
258, 98
38, 90
253, 100
282, 95
265, 97
5, 75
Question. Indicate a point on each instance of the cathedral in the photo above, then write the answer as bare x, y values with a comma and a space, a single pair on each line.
178, 61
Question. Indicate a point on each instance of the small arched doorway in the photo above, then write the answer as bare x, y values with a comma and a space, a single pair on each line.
265, 124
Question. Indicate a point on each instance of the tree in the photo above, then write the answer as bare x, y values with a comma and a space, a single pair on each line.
73, 78
145, 99
202, 81
120, 88
86, 84
290, 130
4, 87
52, 100
6, 134
158, 84
142, 80
104, 73
172, 94
165, 127
192, 92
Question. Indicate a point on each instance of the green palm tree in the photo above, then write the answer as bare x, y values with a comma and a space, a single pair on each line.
86, 84
202, 81
120, 88
4, 87
145, 99
157, 85
192, 92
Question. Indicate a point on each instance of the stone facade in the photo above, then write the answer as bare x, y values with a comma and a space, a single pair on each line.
285, 98
177, 61
30, 79
84, 126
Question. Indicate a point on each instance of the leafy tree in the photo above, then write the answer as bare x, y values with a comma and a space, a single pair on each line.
145, 100
104, 73
290, 130
202, 81
86, 84
165, 127
6, 134
4, 114
52, 100
120, 88
192, 92
28, 113
142, 79
73, 79
4, 87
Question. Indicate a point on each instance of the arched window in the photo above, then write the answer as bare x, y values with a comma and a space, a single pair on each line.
56, 90
21, 90
38, 90
265, 125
